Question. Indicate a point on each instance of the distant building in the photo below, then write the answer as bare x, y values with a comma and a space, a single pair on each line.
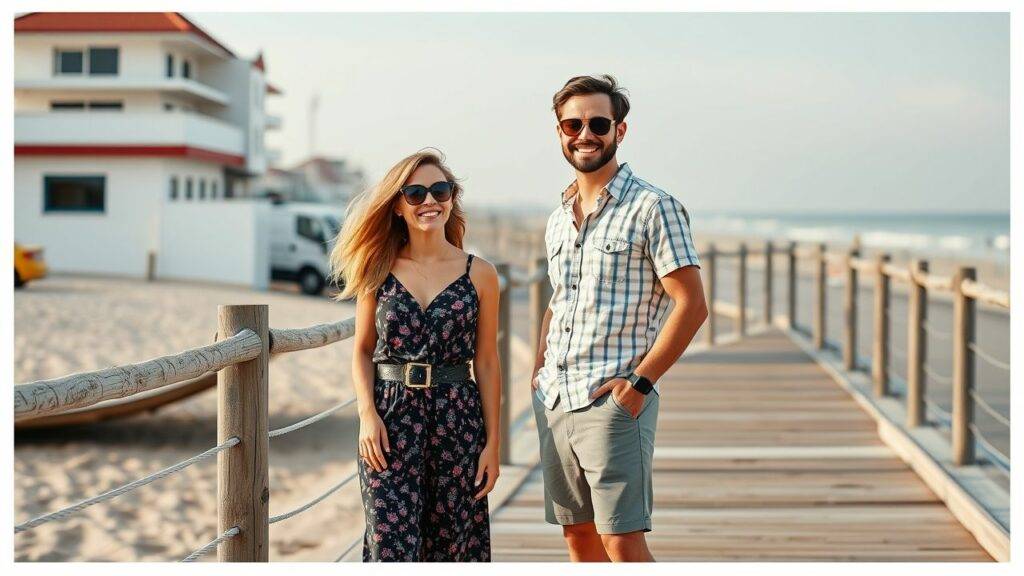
120, 117
332, 180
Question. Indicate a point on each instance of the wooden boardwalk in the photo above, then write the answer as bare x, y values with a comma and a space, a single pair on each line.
760, 455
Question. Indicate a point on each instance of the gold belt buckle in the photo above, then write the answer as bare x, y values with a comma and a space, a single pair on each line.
409, 366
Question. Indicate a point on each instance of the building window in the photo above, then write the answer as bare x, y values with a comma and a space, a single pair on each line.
170, 66
202, 188
188, 188
68, 61
168, 107
74, 193
66, 105
213, 189
101, 105
103, 61
186, 69
174, 188
309, 228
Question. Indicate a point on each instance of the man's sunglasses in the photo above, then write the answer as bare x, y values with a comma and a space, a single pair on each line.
415, 194
598, 125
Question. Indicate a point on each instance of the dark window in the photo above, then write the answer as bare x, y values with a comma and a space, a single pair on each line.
170, 66
168, 107
186, 69
106, 105
202, 188
103, 61
310, 228
74, 193
68, 61
188, 188
174, 187
67, 105
213, 189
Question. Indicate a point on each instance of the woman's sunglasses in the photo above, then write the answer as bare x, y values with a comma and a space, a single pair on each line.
598, 125
415, 194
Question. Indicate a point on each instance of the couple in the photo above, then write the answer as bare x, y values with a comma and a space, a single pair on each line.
619, 256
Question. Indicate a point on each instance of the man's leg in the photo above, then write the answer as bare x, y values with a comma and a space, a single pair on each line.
584, 543
629, 547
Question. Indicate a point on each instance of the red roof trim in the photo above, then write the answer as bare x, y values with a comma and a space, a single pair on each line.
112, 22
133, 150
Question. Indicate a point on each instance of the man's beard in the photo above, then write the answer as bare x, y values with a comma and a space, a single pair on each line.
587, 166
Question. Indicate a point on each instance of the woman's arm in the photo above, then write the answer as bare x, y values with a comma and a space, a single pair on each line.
373, 438
487, 369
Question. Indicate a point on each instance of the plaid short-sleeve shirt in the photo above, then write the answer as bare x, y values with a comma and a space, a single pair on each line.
608, 303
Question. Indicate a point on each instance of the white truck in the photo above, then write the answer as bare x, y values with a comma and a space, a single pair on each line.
301, 238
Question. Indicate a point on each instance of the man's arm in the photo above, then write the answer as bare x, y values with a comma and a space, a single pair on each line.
684, 287
542, 346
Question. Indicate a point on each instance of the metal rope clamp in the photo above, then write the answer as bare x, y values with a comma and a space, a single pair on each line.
418, 372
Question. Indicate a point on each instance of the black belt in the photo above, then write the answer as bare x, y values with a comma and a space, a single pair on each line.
420, 375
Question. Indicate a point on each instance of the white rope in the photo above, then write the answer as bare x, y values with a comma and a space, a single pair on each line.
988, 408
349, 549
997, 363
937, 333
227, 535
945, 417
311, 420
998, 458
938, 377
314, 501
65, 512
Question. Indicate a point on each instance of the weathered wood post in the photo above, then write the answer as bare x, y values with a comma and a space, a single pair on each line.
768, 282
505, 357
880, 353
791, 281
850, 311
710, 297
821, 280
917, 313
540, 295
963, 369
741, 291
151, 266
243, 486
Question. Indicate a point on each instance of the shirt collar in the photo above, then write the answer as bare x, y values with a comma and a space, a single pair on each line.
616, 187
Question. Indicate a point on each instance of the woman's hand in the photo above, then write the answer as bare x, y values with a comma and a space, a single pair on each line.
488, 465
373, 441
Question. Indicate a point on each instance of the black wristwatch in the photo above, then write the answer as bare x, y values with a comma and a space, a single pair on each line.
640, 384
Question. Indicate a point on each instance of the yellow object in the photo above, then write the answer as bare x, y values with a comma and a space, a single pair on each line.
28, 264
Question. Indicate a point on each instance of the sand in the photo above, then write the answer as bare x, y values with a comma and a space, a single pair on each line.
66, 324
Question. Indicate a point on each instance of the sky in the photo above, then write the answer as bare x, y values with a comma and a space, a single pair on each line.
739, 112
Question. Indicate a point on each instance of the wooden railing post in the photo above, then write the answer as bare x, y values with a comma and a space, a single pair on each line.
540, 296
791, 282
821, 284
917, 313
963, 370
850, 312
709, 261
880, 353
741, 292
243, 486
768, 282
151, 266
505, 359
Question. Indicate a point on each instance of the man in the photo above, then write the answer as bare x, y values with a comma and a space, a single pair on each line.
619, 251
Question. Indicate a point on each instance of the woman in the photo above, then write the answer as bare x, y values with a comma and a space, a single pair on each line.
428, 433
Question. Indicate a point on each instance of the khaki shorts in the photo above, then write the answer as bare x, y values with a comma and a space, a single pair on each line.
597, 464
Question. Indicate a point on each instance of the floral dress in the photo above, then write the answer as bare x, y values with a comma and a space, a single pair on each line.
421, 508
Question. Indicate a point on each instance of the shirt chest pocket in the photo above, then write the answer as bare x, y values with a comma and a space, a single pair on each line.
610, 260
555, 265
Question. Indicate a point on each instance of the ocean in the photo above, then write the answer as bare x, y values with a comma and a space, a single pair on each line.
975, 235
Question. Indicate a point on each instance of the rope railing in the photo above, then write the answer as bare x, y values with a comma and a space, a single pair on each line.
349, 549
980, 353
943, 417
110, 494
995, 414
209, 547
995, 456
935, 332
315, 501
311, 420
940, 378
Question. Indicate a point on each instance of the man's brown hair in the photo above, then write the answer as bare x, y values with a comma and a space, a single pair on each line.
583, 85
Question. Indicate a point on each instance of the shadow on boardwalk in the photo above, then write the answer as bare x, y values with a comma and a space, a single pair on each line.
760, 455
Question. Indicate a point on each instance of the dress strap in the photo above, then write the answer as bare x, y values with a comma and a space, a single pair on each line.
469, 262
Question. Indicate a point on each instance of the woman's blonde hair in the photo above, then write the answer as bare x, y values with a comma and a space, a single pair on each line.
368, 242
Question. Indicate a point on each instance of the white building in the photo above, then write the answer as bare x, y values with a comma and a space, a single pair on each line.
130, 131
333, 180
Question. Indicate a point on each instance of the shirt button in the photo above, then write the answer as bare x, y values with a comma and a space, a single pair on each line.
561, 367
573, 286
579, 245
567, 328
